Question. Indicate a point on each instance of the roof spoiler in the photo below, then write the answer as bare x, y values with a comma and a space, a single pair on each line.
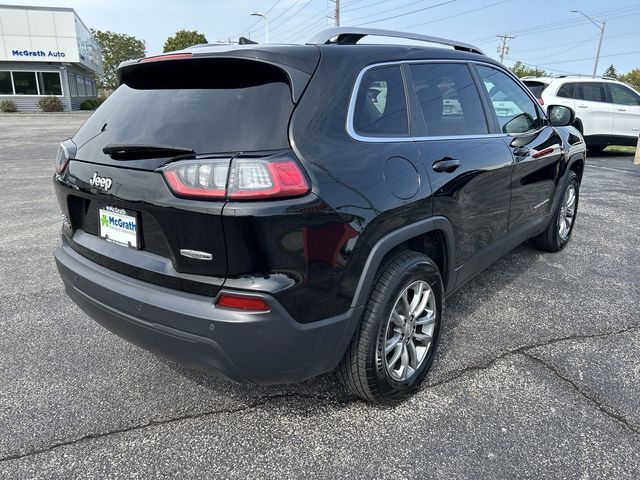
351, 36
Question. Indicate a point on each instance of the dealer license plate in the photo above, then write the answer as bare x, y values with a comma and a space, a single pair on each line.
116, 226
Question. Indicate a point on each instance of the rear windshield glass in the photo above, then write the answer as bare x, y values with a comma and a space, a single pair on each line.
205, 106
536, 88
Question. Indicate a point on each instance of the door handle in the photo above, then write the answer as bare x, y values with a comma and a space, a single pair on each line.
583, 106
622, 109
446, 164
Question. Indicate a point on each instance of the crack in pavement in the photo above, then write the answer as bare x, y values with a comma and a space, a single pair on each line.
454, 375
154, 423
522, 350
608, 411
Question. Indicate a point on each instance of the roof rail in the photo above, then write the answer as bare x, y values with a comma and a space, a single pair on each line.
351, 35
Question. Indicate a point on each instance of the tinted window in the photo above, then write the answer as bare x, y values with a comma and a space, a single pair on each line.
567, 90
25, 83
592, 92
516, 111
5, 83
536, 88
49, 83
381, 106
622, 95
449, 99
246, 109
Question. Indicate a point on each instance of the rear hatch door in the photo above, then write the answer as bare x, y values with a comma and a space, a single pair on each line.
165, 111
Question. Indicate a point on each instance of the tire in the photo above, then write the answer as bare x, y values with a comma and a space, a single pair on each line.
553, 239
365, 369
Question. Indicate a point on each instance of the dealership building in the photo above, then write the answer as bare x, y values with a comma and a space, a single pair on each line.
46, 51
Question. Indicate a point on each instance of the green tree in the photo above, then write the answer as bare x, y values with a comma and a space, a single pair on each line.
116, 48
632, 78
611, 72
183, 39
522, 70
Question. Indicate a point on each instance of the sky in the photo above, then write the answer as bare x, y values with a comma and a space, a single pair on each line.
547, 33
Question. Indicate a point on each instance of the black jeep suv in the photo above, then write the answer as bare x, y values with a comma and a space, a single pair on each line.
271, 213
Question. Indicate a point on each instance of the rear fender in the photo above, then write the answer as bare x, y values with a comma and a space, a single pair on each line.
395, 238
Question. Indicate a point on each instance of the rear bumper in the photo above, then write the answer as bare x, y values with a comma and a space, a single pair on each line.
264, 348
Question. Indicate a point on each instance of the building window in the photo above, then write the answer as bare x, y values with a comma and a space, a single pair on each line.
82, 91
6, 87
73, 85
49, 83
87, 86
25, 83
30, 83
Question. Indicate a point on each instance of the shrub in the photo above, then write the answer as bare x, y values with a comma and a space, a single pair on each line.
50, 104
8, 106
90, 104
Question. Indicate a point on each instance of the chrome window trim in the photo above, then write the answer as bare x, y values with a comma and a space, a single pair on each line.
409, 138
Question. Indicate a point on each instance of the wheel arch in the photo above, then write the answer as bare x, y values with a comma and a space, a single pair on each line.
577, 165
432, 236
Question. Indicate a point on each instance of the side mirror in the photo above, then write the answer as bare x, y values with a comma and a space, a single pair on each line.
560, 116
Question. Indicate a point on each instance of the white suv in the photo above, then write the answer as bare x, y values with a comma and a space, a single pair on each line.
607, 111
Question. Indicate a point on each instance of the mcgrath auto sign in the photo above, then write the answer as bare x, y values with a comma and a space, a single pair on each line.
53, 54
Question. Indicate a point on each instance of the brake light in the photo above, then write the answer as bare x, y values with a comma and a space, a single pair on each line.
66, 151
246, 179
540, 101
241, 302
160, 58
198, 178
254, 179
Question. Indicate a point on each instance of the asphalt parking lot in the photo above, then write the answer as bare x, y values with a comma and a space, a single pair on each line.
537, 376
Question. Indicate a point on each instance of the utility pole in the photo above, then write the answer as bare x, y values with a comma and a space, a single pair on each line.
337, 13
600, 26
503, 49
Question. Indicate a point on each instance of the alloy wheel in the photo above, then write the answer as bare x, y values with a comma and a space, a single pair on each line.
409, 331
567, 212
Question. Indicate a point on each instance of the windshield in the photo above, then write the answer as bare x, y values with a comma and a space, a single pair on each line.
250, 112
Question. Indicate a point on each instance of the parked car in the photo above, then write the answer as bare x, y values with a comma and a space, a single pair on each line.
607, 111
257, 212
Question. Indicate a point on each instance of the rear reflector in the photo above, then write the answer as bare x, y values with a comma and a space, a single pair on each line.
253, 304
161, 58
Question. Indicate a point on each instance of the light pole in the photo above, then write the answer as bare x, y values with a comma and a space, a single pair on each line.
600, 26
266, 25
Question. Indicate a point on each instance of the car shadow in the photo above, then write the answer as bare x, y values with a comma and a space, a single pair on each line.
461, 306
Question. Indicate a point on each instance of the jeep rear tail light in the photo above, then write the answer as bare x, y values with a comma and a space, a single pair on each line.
540, 101
198, 178
246, 179
66, 151
259, 178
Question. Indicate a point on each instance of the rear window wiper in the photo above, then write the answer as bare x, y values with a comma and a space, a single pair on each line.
136, 151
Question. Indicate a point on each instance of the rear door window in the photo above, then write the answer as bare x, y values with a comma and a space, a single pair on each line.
515, 110
622, 95
381, 105
209, 106
590, 92
449, 99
